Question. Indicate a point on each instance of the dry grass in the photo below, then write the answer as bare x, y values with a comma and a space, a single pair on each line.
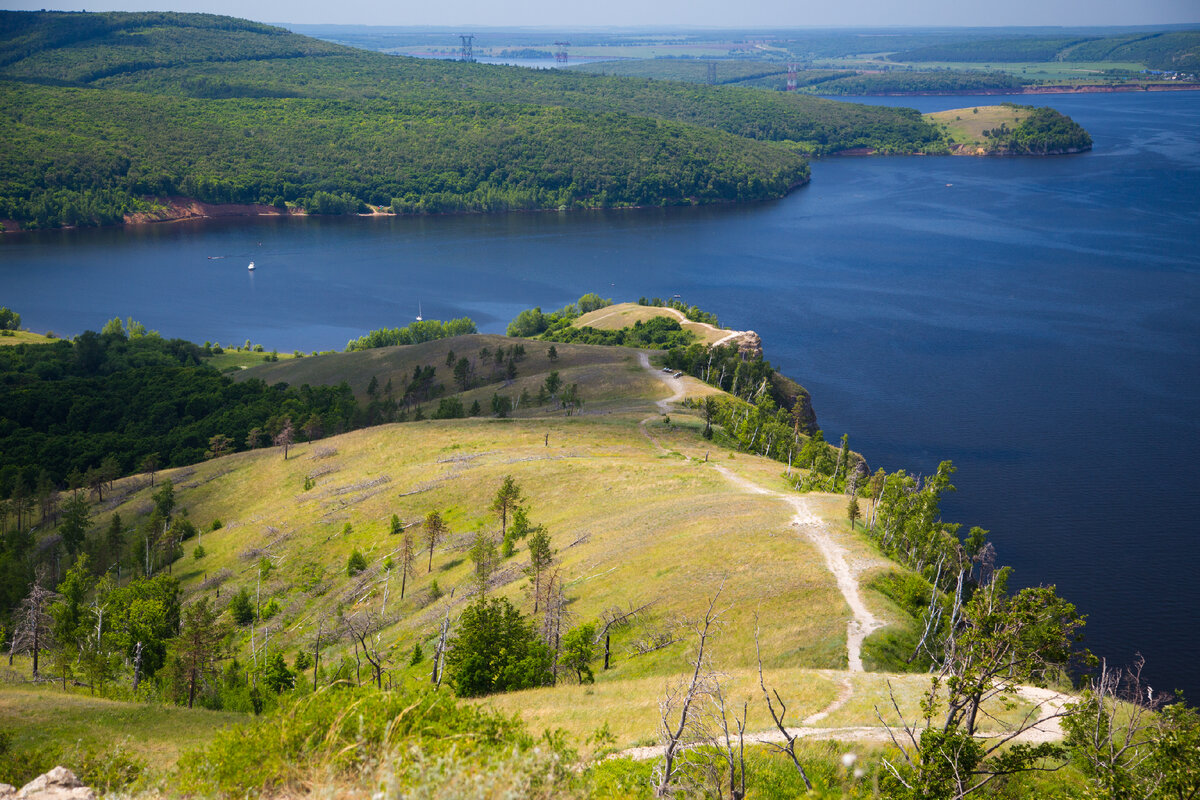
607, 376
24, 337
630, 708
624, 315
966, 125
632, 523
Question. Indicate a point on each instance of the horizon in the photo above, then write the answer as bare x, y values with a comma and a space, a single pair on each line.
678, 15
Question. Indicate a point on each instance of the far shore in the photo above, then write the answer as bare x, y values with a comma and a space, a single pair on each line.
1089, 88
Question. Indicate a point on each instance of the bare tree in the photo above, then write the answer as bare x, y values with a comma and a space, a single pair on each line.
678, 710
1110, 731
439, 651
364, 629
778, 715
33, 623
735, 762
614, 619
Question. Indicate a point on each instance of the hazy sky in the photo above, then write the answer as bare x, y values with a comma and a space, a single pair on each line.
732, 13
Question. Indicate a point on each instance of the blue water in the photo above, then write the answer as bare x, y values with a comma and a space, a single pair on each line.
1037, 321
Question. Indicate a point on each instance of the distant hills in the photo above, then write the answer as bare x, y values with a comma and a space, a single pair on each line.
104, 113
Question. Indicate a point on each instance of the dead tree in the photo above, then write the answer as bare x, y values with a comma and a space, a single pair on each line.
613, 619
32, 631
685, 700
364, 630
439, 652
735, 762
778, 715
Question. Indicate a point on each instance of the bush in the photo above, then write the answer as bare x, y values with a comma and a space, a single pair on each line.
241, 607
340, 733
496, 650
356, 563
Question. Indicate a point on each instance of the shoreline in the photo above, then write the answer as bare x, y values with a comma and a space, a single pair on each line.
1087, 88
183, 209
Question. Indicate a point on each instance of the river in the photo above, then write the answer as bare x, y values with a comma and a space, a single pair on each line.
1037, 321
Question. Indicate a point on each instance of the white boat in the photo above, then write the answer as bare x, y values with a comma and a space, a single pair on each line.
251, 267
419, 317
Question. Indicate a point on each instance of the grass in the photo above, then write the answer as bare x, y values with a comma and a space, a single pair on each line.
624, 315
44, 719
1050, 71
630, 708
241, 359
24, 337
637, 515
608, 377
965, 126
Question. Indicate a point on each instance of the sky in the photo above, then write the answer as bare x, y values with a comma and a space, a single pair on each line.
671, 13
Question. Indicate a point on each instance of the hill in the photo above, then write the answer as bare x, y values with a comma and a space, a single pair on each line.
1175, 51
106, 115
1010, 129
636, 524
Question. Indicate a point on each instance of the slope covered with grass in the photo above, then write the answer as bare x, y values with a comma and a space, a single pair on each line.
102, 111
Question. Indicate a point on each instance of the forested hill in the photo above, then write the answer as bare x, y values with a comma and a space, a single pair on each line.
101, 112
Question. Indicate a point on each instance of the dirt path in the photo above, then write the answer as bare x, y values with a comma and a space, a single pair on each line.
672, 383
679, 314
861, 624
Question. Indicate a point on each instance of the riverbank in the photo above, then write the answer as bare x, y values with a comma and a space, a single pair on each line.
1089, 88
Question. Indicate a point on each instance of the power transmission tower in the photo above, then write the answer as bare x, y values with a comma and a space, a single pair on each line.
466, 54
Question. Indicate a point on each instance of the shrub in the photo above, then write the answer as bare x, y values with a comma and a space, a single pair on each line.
356, 563
241, 607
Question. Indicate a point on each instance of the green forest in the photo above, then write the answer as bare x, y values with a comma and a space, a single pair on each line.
1043, 131
1168, 51
104, 114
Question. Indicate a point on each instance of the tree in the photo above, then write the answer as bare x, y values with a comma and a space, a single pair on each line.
276, 674
356, 563
552, 383
998, 643
579, 650
198, 648
76, 519
541, 556
496, 650
507, 498
9, 319
254, 438
114, 542
552, 354
395, 526
462, 374
150, 465
32, 632
241, 607
408, 555
435, 530
483, 556
1128, 743
710, 411
286, 436
68, 612
852, 510
218, 445
164, 500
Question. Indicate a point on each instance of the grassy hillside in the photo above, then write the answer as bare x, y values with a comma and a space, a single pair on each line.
1010, 129
104, 110
624, 315
1172, 50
